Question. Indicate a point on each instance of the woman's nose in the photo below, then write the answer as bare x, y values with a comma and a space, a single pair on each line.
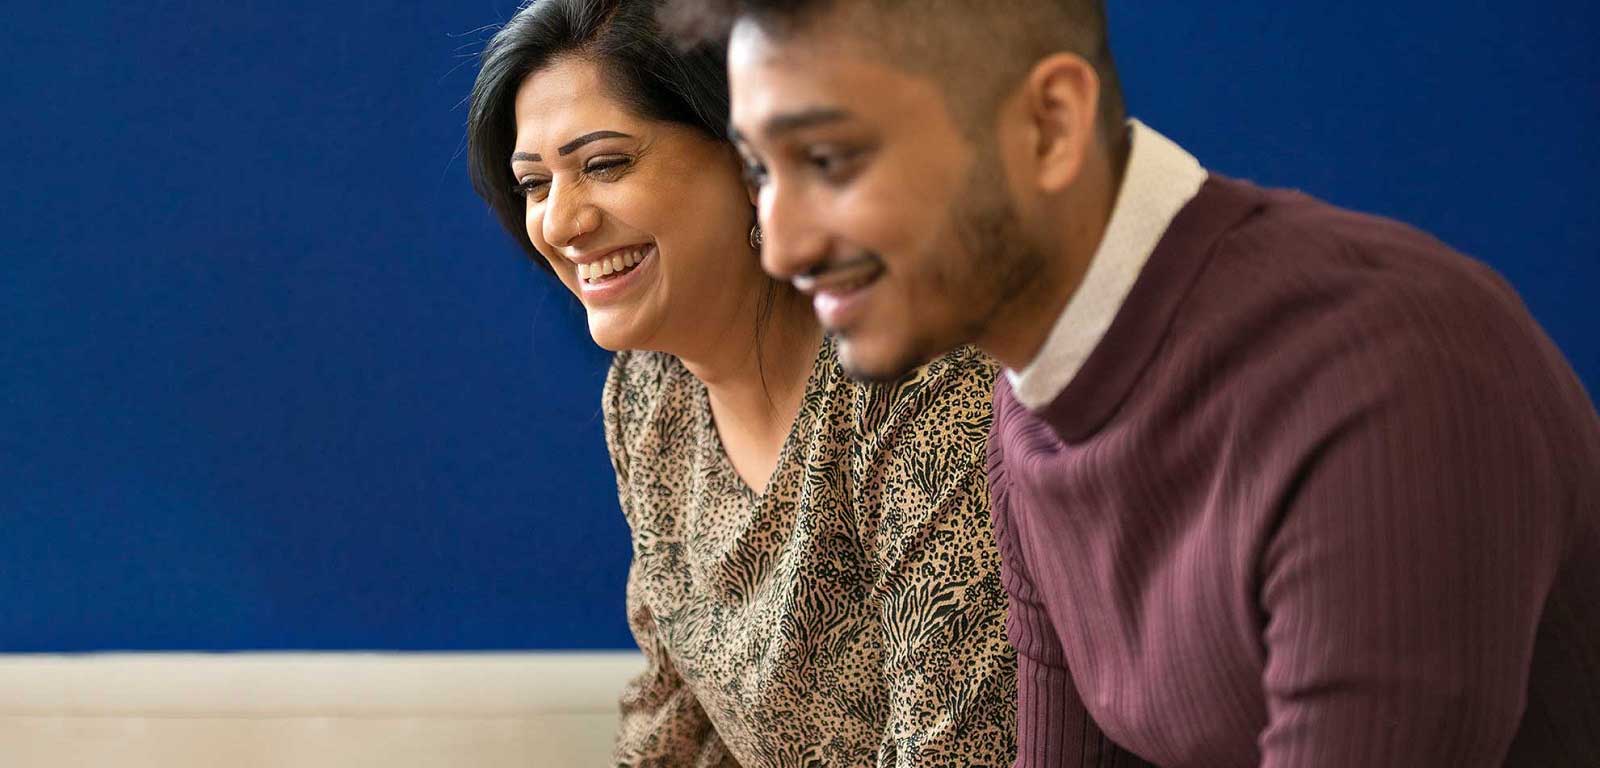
568, 216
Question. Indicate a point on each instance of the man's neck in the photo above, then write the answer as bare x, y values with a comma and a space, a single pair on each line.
1019, 331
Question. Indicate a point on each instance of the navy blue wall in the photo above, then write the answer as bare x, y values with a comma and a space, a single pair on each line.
271, 378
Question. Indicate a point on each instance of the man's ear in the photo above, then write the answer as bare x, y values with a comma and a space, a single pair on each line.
1062, 98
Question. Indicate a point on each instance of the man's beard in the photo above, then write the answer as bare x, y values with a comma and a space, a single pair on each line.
996, 266
1002, 261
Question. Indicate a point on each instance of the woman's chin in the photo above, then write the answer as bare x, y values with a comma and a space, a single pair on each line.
608, 342
611, 338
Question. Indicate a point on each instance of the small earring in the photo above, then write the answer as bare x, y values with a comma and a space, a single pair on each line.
756, 237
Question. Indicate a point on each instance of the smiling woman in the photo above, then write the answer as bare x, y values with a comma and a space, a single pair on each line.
604, 187
814, 579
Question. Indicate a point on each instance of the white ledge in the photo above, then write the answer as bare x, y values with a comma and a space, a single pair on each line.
252, 685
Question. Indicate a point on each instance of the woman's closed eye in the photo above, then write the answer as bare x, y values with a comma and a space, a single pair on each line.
608, 168
533, 187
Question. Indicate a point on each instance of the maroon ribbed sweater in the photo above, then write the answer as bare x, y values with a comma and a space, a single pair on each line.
1324, 495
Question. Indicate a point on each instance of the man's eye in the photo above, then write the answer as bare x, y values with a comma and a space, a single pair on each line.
832, 163
755, 174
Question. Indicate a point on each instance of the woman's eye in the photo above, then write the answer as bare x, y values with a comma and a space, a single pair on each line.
606, 167
533, 189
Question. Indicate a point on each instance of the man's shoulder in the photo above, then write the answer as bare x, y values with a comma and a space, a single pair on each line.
1297, 242
1302, 271
1314, 306
1018, 432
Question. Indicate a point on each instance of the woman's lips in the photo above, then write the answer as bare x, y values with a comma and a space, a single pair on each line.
618, 262
601, 286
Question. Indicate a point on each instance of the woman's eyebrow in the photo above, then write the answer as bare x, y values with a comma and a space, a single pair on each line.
571, 146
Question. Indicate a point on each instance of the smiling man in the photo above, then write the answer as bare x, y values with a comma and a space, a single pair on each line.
1275, 483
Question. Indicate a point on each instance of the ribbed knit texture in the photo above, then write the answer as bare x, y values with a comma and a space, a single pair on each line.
1325, 495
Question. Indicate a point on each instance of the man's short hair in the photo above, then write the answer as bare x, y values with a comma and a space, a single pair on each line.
979, 48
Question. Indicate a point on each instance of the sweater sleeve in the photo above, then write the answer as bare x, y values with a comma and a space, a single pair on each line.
1405, 580
662, 724
1054, 729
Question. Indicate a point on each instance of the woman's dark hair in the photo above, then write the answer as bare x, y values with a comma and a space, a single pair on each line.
647, 73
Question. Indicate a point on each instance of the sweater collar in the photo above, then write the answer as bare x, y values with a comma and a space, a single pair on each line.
1150, 312
1160, 179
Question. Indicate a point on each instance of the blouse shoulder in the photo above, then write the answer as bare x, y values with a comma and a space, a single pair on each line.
921, 443
952, 397
635, 386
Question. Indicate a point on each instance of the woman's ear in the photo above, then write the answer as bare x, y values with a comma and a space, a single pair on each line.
1062, 98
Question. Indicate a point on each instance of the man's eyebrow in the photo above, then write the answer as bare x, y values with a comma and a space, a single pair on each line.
571, 146
793, 121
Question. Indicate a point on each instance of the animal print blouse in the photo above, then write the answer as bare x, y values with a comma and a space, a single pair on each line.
850, 616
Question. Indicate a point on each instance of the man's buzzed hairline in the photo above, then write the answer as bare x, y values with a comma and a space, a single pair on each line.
976, 52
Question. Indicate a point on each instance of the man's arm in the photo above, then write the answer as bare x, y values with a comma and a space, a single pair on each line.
1403, 588
1053, 726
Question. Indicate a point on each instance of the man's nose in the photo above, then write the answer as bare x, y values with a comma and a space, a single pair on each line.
792, 242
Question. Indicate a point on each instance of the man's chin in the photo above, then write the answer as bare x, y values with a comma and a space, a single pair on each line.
866, 361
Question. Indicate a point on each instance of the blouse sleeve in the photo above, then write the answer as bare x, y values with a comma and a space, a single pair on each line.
662, 724
950, 674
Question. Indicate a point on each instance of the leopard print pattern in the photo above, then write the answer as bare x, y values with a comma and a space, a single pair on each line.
851, 615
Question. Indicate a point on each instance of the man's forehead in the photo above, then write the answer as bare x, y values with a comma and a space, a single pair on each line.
774, 74
753, 45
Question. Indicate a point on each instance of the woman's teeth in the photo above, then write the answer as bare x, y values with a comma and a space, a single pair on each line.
615, 264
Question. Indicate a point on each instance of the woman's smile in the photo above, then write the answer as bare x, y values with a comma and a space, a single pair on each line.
608, 278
